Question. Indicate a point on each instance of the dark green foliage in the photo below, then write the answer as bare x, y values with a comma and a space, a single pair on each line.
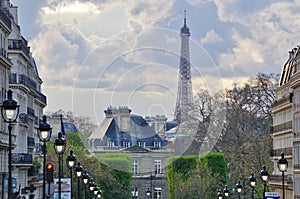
196, 177
114, 182
216, 163
179, 166
117, 177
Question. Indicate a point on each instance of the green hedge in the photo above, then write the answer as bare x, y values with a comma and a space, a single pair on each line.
182, 166
118, 179
209, 169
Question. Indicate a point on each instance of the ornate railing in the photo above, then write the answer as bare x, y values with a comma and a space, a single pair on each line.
21, 158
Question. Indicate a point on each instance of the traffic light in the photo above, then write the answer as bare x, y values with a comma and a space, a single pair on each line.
49, 172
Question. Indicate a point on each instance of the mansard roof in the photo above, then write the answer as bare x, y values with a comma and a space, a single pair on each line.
290, 67
139, 131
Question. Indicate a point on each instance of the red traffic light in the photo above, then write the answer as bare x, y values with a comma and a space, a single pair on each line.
49, 166
49, 172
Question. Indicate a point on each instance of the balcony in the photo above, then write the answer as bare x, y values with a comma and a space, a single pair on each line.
21, 159
281, 101
282, 127
20, 45
41, 97
30, 142
286, 151
26, 81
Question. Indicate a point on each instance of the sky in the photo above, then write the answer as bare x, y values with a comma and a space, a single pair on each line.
95, 53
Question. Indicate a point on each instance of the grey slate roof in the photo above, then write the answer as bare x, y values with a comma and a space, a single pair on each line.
140, 131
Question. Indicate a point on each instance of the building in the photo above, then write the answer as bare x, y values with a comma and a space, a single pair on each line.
184, 92
286, 126
124, 132
25, 82
5, 66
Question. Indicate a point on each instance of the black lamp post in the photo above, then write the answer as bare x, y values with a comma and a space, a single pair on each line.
71, 159
148, 193
85, 179
78, 170
95, 191
239, 188
282, 166
59, 146
91, 185
226, 191
264, 176
10, 112
219, 194
44, 133
252, 180
99, 194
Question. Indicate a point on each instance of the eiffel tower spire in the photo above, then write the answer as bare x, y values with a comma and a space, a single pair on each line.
184, 92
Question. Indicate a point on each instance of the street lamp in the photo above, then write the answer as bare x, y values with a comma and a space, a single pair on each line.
85, 179
226, 191
59, 146
239, 188
219, 194
99, 194
71, 159
10, 112
282, 166
91, 185
78, 170
148, 193
264, 176
95, 191
252, 183
44, 133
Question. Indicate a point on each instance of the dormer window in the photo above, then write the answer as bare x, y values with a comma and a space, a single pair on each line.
156, 144
142, 144
110, 144
126, 144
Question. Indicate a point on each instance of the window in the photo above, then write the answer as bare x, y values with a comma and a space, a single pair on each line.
156, 144
157, 166
141, 144
297, 157
134, 192
110, 144
126, 144
135, 167
157, 193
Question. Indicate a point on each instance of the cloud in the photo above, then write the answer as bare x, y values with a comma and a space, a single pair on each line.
211, 37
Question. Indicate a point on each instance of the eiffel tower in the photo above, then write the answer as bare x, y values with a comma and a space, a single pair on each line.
184, 93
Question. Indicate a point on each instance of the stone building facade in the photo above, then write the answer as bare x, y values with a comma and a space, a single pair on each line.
22, 77
286, 126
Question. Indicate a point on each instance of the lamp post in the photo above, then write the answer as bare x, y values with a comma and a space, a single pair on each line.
282, 166
219, 194
10, 112
71, 159
59, 146
85, 179
95, 191
99, 194
78, 170
44, 133
252, 180
148, 193
264, 176
239, 188
91, 185
226, 191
